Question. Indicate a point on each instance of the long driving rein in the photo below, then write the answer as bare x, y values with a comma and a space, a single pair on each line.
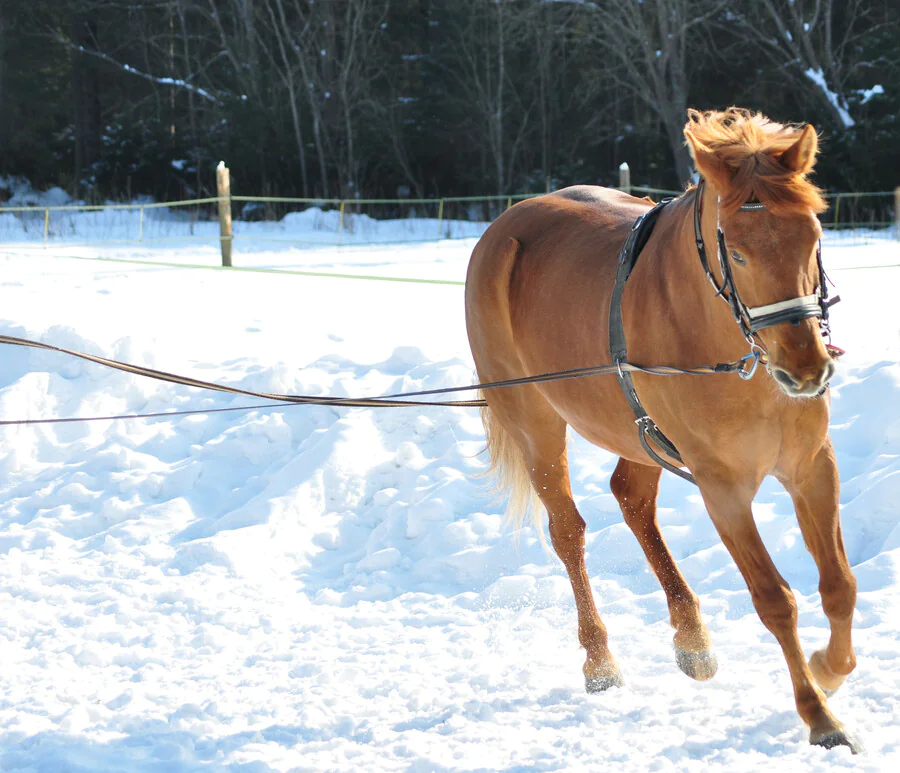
750, 319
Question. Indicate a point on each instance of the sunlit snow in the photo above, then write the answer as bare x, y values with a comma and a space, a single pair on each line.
316, 589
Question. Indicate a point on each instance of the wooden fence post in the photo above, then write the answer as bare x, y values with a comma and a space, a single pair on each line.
624, 177
223, 187
897, 211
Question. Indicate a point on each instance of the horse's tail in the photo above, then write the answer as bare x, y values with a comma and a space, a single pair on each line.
509, 473
487, 291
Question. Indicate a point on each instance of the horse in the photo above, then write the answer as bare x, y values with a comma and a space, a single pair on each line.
539, 289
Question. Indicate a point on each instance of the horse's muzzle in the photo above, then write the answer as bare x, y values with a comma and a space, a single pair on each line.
806, 385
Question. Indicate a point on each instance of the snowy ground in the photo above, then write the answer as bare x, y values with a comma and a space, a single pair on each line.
312, 589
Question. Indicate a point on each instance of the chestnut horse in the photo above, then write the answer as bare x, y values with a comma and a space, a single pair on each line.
538, 295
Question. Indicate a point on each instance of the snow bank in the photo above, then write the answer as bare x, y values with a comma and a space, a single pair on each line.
17, 192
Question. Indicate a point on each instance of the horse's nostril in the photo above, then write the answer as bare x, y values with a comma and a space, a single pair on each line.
783, 377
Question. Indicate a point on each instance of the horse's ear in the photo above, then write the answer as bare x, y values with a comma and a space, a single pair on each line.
708, 163
801, 156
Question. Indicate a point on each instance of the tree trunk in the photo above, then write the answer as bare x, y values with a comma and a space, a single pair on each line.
674, 125
85, 103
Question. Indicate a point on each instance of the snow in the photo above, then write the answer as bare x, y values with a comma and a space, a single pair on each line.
867, 94
818, 77
184, 226
21, 194
304, 588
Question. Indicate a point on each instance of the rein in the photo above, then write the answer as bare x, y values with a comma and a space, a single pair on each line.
743, 367
750, 319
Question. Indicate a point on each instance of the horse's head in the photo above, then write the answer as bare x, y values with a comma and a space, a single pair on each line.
756, 173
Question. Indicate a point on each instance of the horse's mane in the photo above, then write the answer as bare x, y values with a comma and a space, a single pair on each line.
750, 146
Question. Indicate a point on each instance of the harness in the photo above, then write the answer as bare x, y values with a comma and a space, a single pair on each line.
750, 319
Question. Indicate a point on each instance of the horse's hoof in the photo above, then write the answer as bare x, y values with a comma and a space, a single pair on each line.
838, 738
827, 680
594, 684
697, 665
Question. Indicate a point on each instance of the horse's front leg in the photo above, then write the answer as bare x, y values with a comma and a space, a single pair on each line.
635, 487
729, 504
814, 487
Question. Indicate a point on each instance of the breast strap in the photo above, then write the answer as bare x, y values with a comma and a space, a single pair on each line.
647, 429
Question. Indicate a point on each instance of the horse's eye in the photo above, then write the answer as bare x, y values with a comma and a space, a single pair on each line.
738, 258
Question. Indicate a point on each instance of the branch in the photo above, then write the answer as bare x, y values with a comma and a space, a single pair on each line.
174, 82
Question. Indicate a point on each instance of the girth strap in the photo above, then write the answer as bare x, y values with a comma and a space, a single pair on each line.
647, 429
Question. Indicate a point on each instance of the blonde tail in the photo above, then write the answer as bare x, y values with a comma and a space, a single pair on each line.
510, 474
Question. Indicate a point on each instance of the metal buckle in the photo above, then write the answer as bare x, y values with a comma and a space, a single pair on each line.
748, 374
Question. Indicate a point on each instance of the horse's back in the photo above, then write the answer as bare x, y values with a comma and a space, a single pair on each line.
568, 240
572, 224
595, 194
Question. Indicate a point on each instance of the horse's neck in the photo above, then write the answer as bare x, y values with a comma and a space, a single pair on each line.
695, 310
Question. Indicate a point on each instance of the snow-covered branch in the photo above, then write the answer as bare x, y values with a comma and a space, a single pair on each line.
177, 83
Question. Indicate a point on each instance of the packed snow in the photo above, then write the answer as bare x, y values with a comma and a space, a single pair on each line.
305, 588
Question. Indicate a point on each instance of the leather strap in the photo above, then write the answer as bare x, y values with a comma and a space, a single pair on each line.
647, 429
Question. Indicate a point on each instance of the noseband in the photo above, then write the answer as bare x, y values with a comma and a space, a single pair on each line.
753, 319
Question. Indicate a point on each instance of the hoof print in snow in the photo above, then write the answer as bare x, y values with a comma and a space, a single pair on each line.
595, 684
697, 665
838, 738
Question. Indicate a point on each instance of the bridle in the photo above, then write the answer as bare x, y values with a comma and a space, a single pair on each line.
752, 319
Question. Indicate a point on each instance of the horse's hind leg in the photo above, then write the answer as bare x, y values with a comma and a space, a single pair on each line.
550, 475
540, 434
635, 487
815, 494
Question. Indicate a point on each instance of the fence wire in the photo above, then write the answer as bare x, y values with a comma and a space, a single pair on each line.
859, 217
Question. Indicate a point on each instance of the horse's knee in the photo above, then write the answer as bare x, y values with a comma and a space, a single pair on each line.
566, 527
631, 499
635, 493
838, 594
618, 484
776, 607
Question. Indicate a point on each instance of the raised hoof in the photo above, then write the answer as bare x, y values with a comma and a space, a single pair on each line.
838, 738
828, 681
595, 684
697, 665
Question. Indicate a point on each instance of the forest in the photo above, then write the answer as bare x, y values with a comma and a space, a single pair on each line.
112, 99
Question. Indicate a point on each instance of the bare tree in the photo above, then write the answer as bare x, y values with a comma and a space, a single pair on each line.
285, 63
652, 43
325, 54
549, 26
349, 63
483, 40
815, 42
